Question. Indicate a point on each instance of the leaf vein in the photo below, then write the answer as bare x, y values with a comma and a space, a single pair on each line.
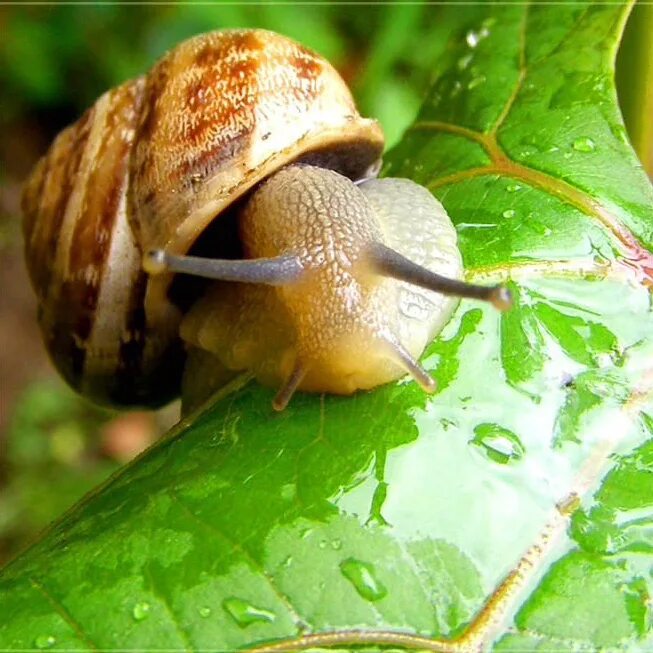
236, 546
183, 635
63, 612
522, 73
561, 268
637, 257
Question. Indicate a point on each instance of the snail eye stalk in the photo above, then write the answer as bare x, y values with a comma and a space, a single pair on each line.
274, 271
389, 263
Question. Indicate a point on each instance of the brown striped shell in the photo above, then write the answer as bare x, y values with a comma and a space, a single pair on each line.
151, 164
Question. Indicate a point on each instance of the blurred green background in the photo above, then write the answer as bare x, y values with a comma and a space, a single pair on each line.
54, 61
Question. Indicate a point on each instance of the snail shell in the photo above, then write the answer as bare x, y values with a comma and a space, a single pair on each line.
151, 165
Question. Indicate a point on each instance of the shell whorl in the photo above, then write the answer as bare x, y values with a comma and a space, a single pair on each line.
84, 262
224, 110
151, 164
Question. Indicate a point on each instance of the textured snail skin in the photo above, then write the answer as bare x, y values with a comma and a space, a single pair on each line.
152, 164
340, 319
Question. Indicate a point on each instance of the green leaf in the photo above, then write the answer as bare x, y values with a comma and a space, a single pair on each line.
511, 509
635, 82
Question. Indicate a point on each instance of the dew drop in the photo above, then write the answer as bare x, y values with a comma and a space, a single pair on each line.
205, 612
455, 89
473, 37
537, 226
323, 544
447, 423
463, 62
141, 611
44, 641
599, 84
528, 151
288, 491
619, 132
362, 576
245, 614
498, 443
584, 145
477, 81
513, 188
336, 544
508, 213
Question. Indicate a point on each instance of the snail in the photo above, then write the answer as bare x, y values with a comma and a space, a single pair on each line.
221, 213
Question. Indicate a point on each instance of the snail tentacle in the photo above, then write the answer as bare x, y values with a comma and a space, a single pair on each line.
403, 357
270, 271
287, 390
389, 263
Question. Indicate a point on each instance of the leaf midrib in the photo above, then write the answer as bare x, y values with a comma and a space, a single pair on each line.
639, 259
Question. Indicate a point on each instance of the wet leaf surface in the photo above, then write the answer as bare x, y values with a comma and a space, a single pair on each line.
510, 509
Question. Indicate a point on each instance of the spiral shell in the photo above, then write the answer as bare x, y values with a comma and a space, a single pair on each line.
152, 164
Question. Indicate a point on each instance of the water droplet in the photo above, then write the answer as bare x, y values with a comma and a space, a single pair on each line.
508, 213
245, 614
205, 612
455, 89
362, 576
498, 443
584, 145
45, 641
473, 37
463, 62
513, 188
619, 132
477, 81
532, 223
527, 151
599, 85
323, 544
288, 491
336, 544
447, 423
141, 611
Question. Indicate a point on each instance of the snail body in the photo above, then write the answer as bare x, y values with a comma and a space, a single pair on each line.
243, 128
339, 324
